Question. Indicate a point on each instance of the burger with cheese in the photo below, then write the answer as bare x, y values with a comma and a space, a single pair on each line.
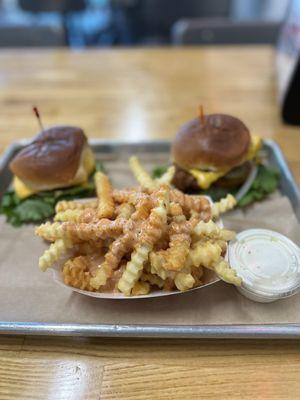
56, 165
58, 157
215, 151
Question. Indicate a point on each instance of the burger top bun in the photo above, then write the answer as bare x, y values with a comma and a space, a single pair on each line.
52, 159
218, 141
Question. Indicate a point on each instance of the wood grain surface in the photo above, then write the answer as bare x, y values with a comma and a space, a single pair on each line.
136, 95
119, 369
139, 94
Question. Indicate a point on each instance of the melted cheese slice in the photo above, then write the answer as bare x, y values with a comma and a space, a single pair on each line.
255, 146
22, 191
206, 178
86, 167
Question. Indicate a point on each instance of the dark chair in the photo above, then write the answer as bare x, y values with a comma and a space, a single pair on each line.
64, 7
223, 31
31, 36
155, 18
61, 6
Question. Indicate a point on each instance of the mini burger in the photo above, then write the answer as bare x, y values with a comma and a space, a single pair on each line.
215, 150
58, 157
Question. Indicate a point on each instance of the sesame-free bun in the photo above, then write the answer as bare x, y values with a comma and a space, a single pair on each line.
220, 141
53, 159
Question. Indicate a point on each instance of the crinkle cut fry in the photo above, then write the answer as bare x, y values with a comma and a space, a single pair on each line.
112, 259
117, 249
81, 232
141, 175
175, 210
184, 281
226, 273
102, 274
180, 240
175, 257
140, 288
133, 269
130, 196
80, 216
53, 253
106, 206
143, 209
222, 244
76, 273
167, 177
123, 195
200, 204
125, 210
150, 233
223, 206
205, 254
64, 205
156, 266
152, 228
212, 230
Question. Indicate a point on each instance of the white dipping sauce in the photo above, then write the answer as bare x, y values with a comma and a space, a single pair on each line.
267, 262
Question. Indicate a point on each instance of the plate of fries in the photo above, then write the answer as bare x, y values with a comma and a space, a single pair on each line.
147, 241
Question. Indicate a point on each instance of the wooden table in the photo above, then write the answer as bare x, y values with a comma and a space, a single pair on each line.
136, 95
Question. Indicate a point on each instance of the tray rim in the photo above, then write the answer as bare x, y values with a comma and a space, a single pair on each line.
233, 331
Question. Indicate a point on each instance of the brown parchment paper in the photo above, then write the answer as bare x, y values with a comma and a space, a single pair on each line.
26, 294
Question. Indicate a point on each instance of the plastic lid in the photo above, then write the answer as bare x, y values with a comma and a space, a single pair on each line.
267, 262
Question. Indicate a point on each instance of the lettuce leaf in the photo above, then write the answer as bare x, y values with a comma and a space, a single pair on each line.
157, 172
265, 183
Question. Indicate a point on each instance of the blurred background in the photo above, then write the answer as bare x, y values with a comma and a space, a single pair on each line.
81, 23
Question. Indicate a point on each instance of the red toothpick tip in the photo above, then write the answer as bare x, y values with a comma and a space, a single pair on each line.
38, 117
201, 114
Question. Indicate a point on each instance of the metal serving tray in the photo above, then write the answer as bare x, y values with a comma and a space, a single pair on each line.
287, 185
